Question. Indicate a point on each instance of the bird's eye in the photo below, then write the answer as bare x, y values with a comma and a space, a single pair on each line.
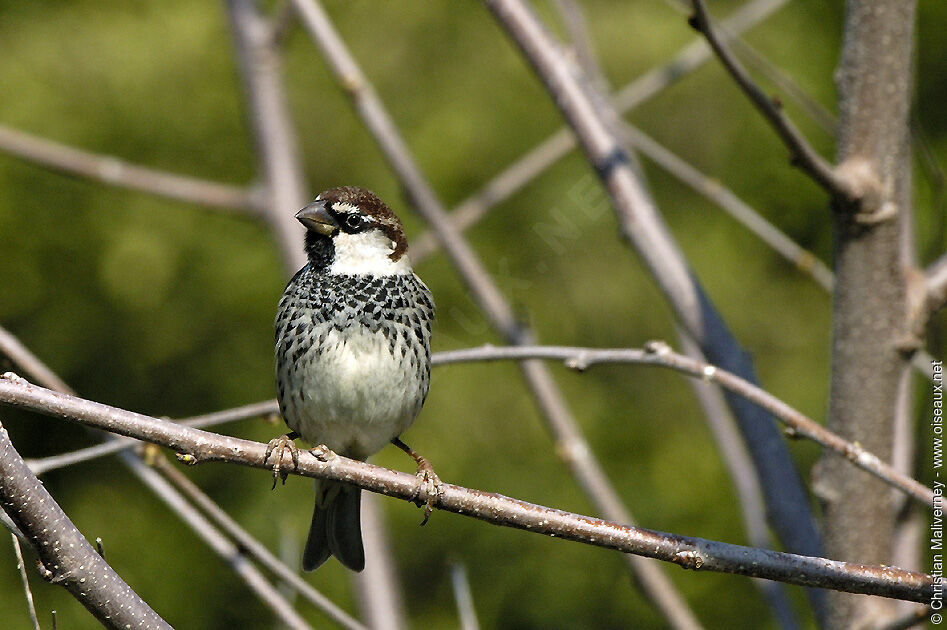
353, 221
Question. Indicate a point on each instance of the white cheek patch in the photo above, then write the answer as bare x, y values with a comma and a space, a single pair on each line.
366, 253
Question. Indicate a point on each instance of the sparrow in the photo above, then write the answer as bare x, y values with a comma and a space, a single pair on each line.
353, 354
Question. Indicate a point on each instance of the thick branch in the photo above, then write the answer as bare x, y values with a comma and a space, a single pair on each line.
688, 552
116, 172
871, 334
67, 557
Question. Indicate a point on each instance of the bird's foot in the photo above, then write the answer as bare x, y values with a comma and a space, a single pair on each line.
429, 484
322, 452
429, 488
279, 445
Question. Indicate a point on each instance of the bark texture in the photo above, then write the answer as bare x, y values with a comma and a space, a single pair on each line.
870, 329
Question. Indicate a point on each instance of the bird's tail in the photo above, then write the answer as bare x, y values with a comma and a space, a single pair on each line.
336, 528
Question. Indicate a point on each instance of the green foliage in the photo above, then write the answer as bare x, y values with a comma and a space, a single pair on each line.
164, 308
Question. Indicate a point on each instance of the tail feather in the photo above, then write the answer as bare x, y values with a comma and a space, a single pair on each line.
336, 527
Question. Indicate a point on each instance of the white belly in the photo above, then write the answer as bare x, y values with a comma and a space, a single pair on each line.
351, 393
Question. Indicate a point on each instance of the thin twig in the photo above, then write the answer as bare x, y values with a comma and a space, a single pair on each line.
67, 557
570, 443
198, 446
27, 592
776, 239
660, 354
593, 120
28, 363
53, 462
115, 172
803, 155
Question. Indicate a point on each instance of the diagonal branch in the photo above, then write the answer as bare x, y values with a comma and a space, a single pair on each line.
659, 354
246, 544
541, 157
229, 552
592, 119
12, 348
689, 552
727, 200
570, 443
803, 155
116, 172
275, 141
67, 557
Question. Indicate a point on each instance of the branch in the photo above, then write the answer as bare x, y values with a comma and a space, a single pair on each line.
659, 354
689, 552
736, 458
592, 119
67, 557
541, 157
570, 442
463, 596
53, 462
28, 593
803, 155
230, 553
247, 544
278, 153
804, 260
233, 555
29, 363
116, 172
579, 358
936, 282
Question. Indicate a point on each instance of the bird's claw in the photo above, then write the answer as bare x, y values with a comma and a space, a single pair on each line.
279, 445
429, 488
322, 453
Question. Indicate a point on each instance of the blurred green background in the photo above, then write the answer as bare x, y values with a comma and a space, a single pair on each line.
166, 308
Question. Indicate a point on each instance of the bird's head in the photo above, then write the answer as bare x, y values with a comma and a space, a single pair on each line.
349, 230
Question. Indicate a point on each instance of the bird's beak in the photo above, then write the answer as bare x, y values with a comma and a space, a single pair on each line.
316, 217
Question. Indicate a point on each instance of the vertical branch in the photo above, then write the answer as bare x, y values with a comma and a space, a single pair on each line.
869, 336
282, 170
280, 165
379, 599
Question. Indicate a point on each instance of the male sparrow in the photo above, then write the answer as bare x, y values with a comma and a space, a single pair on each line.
353, 352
